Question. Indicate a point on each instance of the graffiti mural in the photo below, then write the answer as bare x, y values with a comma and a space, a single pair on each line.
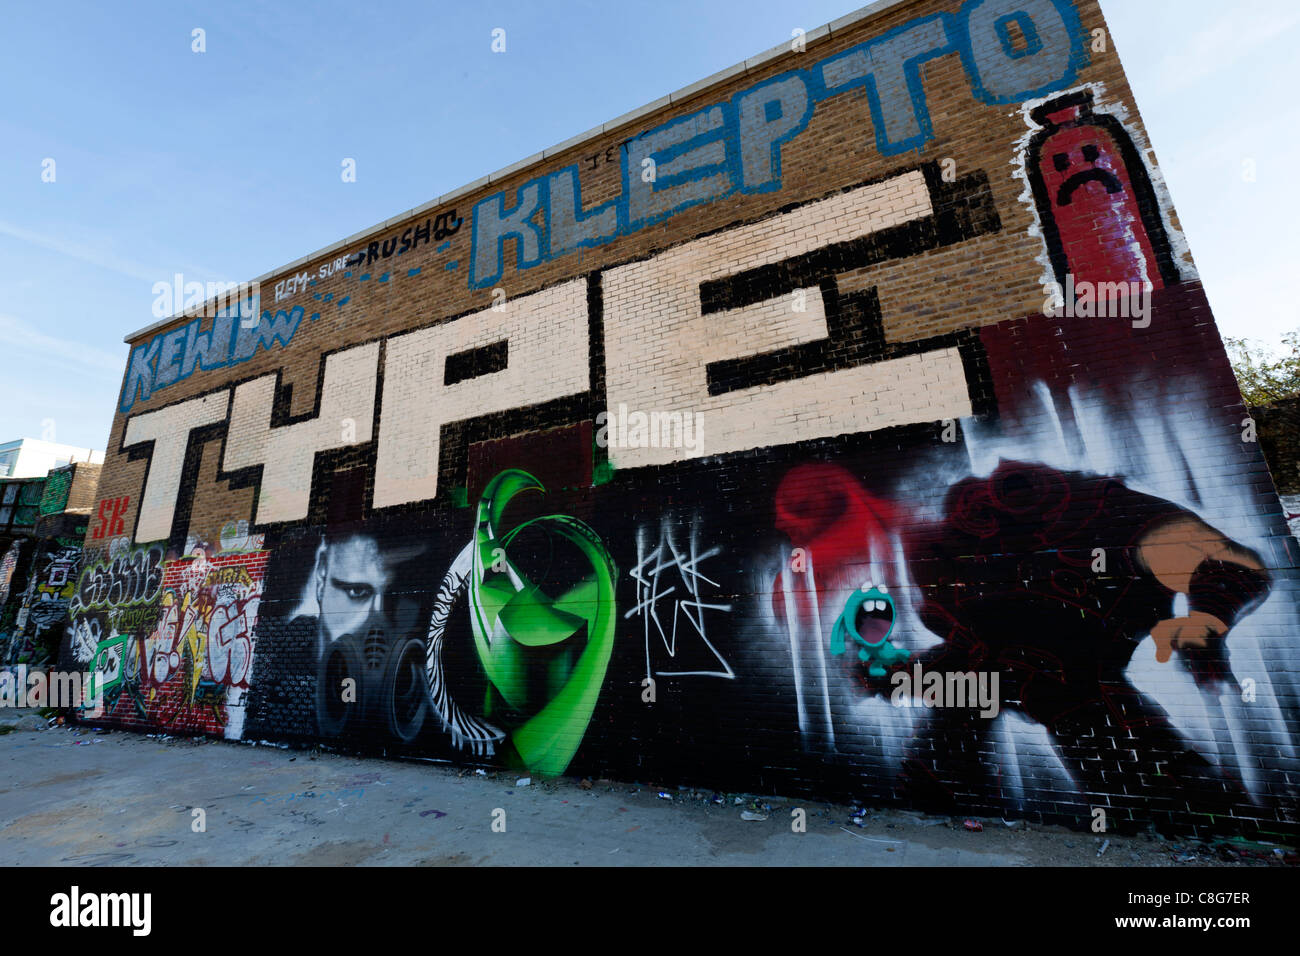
128, 579
47, 600
1077, 630
39, 574
8, 564
1084, 169
11, 645
529, 603
669, 581
877, 447
173, 639
521, 632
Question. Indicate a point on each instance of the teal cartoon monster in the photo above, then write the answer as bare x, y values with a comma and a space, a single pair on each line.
869, 619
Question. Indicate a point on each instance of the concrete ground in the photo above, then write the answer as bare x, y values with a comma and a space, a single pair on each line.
80, 797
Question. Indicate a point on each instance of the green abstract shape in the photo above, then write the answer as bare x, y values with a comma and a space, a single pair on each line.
517, 627
100, 688
602, 470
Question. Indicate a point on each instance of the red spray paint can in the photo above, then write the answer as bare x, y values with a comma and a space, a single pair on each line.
1096, 204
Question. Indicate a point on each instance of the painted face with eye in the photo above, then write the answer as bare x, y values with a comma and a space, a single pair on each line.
1074, 168
352, 580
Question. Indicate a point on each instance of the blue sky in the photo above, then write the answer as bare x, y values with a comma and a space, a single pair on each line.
225, 165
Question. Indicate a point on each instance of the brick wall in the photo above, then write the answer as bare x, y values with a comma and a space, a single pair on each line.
84, 486
854, 424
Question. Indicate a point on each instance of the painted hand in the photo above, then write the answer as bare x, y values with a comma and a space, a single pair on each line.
1180, 633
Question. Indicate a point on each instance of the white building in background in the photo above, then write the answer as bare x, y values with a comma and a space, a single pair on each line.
33, 458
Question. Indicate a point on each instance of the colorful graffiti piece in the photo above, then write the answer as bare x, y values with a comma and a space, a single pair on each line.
868, 619
49, 597
132, 577
173, 639
930, 539
520, 630
538, 624
1084, 170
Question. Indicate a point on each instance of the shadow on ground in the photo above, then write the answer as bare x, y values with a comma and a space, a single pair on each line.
81, 797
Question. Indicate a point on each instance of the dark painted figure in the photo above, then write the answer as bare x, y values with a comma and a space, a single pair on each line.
1012, 582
